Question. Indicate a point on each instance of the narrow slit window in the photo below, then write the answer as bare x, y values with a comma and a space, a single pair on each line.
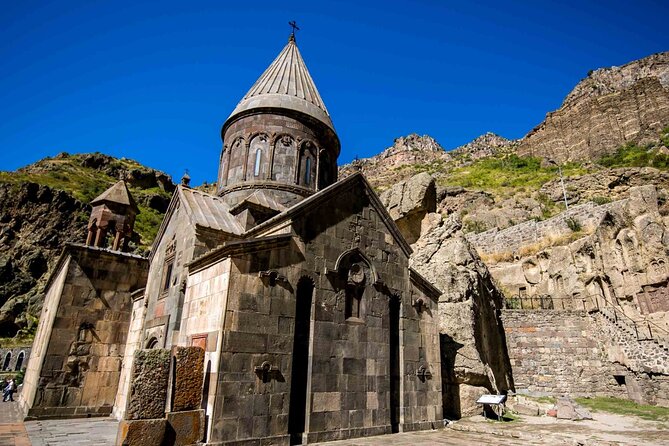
167, 275
256, 169
307, 172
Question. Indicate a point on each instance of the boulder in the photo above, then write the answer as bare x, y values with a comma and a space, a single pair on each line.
408, 202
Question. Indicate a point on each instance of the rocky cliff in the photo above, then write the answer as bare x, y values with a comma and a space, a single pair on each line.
45, 205
474, 358
611, 107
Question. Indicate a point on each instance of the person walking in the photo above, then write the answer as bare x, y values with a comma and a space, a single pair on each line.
9, 391
5, 390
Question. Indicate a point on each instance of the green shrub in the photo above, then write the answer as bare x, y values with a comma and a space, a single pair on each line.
600, 200
573, 224
632, 155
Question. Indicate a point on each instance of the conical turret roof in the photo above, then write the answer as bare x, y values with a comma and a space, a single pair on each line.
287, 84
118, 193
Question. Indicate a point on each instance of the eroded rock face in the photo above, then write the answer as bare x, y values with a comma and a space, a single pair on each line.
35, 222
474, 356
389, 167
610, 107
409, 202
485, 145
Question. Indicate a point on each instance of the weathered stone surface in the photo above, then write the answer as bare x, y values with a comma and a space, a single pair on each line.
82, 333
185, 428
567, 409
409, 202
472, 338
605, 110
141, 432
148, 388
539, 341
526, 409
187, 386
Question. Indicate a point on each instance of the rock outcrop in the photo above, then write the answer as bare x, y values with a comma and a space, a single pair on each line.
35, 222
399, 161
609, 108
488, 144
409, 202
474, 355
474, 359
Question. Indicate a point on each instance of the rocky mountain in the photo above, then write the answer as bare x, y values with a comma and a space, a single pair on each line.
610, 107
45, 205
486, 145
403, 159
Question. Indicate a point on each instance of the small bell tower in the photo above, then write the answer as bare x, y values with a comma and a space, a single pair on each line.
113, 215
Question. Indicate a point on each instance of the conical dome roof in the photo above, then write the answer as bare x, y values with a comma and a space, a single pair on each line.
286, 84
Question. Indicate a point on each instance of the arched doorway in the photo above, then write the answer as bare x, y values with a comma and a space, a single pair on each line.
8, 358
19, 361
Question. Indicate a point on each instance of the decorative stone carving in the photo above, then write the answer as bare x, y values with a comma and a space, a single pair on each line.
286, 140
266, 371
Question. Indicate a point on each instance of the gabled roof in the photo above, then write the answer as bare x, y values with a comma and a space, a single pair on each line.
339, 188
287, 84
209, 211
203, 210
118, 193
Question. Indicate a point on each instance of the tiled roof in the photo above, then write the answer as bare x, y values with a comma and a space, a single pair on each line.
209, 211
286, 84
118, 193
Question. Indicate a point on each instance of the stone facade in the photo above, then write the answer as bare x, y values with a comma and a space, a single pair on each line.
295, 313
79, 345
14, 359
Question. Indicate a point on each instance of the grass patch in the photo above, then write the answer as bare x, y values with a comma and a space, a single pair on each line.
505, 174
625, 407
632, 155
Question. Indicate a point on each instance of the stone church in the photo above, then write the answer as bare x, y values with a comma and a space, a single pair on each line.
280, 309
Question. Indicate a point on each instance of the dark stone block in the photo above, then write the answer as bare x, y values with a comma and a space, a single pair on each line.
237, 341
184, 428
354, 366
141, 432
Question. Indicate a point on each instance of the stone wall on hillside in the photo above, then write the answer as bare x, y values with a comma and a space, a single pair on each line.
513, 239
555, 353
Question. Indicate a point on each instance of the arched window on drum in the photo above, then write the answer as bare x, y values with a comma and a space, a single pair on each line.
258, 158
307, 173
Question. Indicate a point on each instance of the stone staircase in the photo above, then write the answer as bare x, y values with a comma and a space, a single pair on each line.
644, 352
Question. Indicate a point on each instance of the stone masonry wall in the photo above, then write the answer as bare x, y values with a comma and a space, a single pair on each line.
557, 352
78, 360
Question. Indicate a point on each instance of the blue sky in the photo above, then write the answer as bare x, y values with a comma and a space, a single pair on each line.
154, 81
